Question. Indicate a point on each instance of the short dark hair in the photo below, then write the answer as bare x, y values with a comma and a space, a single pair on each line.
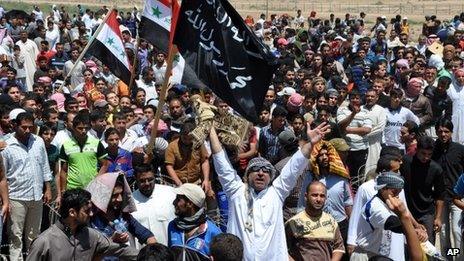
96, 115
119, 116
70, 100
111, 131
226, 247
187, 128
155, 252
396, 92
444, 122
279, 111
24, 116
149, 106
425, 143
47, 126
81, 118
73, 198
412, 127
384, 162
390, 150
143, 169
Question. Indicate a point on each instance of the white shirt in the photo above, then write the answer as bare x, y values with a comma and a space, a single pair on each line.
128, 141
395, 120
38, 15
159, 72
372, 236
156, 212
365, 192
264, 239
150, 89
374, 138
361, 119
60, 137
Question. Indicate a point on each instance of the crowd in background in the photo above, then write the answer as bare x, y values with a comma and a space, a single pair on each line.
358, 153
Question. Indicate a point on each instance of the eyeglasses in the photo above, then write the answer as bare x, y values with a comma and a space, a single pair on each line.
265, 169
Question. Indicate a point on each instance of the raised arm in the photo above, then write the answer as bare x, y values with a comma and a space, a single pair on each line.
230, 181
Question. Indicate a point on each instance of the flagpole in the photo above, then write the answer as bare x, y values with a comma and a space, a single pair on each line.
92, 38
134, 63
162, 97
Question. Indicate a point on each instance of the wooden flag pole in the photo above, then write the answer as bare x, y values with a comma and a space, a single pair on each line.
92, 38
164, 89
134, 64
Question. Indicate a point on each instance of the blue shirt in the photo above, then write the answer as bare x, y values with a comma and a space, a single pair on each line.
100, 223
198, 243
459, 187
122, 162
269, 145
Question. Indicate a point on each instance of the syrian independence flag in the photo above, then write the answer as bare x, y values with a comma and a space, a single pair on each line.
225, 54
157, 22
109, 49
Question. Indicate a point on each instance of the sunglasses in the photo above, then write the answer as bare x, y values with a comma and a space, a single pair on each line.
262, 168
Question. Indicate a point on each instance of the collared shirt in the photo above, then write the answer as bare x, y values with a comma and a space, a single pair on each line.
372, 235
26, 168
82, 160
155, 212
269, 145
60, 137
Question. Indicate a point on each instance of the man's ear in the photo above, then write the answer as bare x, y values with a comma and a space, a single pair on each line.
73, 213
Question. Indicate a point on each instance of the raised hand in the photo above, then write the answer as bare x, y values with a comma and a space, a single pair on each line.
316, 134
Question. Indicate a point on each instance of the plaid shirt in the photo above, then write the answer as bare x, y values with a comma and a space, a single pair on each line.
269, 146
26, 168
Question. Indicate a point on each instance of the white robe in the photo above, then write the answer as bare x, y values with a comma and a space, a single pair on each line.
263, 232
379, 118
456, 93
30, 51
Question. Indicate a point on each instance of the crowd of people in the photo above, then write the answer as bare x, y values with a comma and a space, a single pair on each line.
358, 153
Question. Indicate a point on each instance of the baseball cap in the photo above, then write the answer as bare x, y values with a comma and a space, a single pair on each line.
339, 144
100, 103
287, 91
193, 192
287, 137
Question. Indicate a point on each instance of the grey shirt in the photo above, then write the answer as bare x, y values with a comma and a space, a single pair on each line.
57, 243
338, 195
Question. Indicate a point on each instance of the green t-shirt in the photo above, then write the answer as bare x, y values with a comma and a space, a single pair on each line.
82, 161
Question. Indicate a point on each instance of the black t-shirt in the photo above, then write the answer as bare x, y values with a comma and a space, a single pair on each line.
423, 185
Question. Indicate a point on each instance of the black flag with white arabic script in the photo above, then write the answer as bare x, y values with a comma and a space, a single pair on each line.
225, 54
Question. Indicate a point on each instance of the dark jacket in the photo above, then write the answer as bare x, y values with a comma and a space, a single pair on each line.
441, 104
423, 185
451, 158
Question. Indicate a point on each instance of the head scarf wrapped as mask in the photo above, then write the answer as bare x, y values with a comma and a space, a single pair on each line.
336, 165
102, 187
389, 180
